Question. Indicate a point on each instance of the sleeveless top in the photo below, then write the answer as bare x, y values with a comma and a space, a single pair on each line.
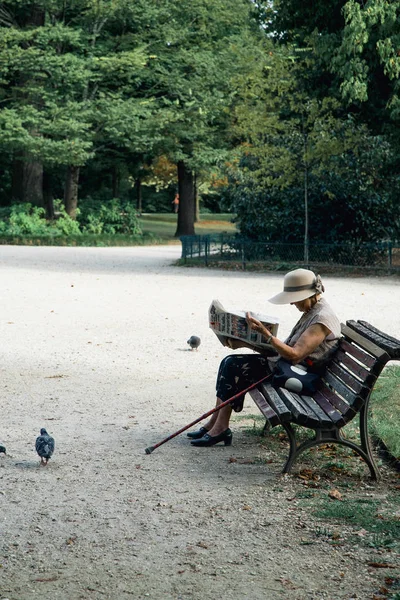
322, 313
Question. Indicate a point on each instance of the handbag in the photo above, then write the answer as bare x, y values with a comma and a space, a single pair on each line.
295, 378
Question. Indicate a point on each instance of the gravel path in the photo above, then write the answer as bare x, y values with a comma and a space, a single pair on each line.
94, 349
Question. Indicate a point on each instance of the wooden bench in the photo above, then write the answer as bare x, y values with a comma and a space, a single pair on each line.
344, 392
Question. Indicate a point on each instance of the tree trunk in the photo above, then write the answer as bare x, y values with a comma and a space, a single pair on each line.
27, 182
17, 186
196, 200
71, 191
186, 201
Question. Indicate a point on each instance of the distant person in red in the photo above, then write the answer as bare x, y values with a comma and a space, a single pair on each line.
175, 203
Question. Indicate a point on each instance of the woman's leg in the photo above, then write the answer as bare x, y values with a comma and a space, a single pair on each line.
219, 421
236, 372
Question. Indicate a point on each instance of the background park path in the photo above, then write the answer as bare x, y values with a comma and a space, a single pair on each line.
94, 349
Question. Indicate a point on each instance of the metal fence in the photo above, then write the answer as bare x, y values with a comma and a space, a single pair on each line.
222, 248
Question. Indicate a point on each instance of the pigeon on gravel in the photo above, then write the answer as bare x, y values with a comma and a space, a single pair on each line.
2, 449
194, 342
44, 446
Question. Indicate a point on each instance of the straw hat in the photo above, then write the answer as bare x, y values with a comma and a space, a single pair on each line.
298, 285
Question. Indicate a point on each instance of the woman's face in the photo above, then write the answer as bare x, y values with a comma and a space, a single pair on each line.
304, 305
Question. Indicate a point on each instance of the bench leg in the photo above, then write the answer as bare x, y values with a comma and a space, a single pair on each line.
365, 445
323, 436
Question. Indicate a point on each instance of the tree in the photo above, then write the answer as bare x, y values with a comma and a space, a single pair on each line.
194, 51
75, 82
297, 149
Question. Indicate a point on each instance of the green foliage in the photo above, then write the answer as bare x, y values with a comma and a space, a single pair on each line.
27, 220
64, 225
369, 50
113, 217
24, 219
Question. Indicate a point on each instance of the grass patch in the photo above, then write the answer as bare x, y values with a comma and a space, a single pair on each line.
164, 225
365, 514
385, 410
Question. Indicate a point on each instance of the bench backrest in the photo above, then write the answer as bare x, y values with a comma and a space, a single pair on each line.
351, 375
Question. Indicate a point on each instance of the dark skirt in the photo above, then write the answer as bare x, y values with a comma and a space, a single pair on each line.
237, 372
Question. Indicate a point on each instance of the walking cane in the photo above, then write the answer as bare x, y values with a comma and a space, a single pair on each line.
150, 449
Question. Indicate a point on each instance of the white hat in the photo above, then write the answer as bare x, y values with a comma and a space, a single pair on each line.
298, 285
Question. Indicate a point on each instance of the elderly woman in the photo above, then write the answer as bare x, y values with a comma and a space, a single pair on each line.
310, 342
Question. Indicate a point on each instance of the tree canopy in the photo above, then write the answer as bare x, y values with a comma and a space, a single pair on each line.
289, 112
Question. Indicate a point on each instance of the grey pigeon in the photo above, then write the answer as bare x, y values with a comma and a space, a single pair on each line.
2, 449
194, 342
44, 446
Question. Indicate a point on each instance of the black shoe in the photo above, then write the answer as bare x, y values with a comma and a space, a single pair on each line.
2, 449
195, 435
208, 440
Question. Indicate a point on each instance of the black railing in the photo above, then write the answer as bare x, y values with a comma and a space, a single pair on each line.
210, 249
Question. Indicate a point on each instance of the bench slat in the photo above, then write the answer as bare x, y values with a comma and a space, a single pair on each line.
264, 407
324, 420
275, 401
372, 340
347, 411
357, 353
335, 416
342, 390
348, 378
354, 367
301, 415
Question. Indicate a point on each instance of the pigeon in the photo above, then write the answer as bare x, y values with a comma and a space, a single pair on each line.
2, 449
194, 342
44, 446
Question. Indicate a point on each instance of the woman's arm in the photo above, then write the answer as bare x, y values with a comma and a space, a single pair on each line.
305, 345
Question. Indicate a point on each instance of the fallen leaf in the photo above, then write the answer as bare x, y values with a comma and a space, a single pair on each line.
308, 474
246, 507
335, 495
231, 459
70, 541
202, 545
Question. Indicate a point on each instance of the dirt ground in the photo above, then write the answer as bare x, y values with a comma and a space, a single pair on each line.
94, 349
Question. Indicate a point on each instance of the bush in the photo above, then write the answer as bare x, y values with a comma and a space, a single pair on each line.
63, 225
109, 218
114, 217
25, 219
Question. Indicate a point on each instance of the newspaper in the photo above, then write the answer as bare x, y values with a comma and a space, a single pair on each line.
232, 324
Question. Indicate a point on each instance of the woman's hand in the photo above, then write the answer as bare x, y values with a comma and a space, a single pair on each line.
256, 325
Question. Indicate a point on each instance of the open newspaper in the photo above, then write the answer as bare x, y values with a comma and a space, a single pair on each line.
232, 324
